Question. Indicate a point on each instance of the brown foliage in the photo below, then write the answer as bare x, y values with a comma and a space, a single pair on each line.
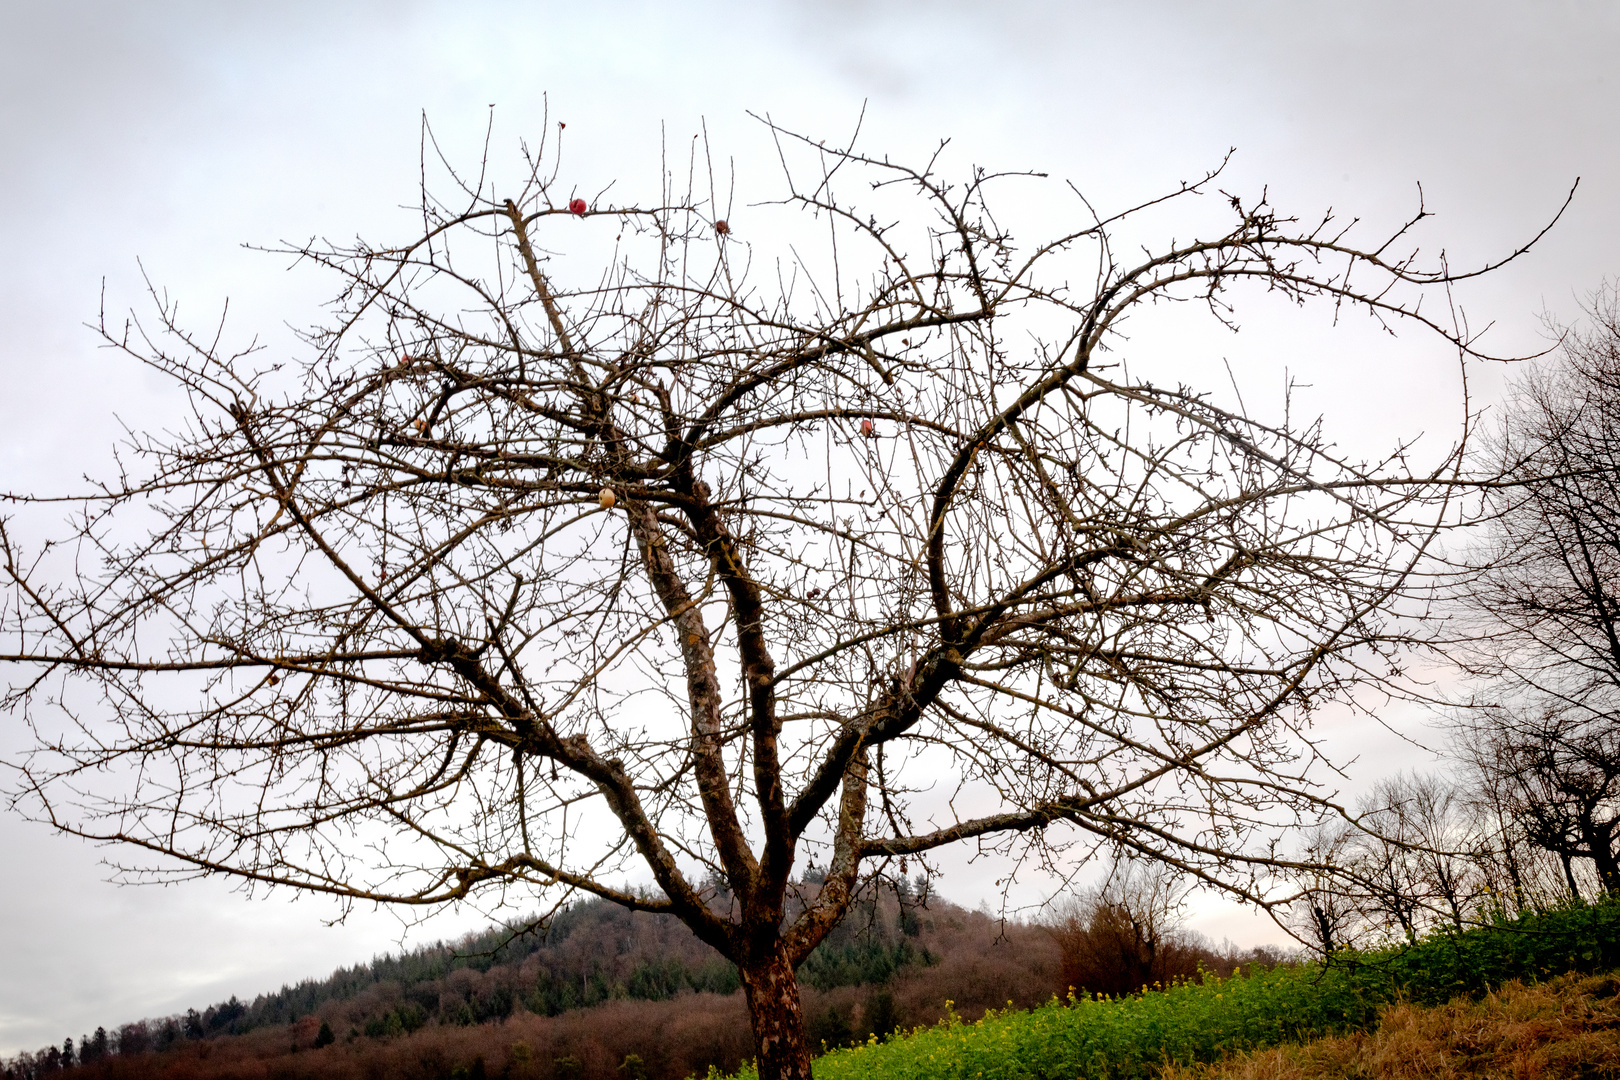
673, 1039
1126, 935
1115, 953
983, 964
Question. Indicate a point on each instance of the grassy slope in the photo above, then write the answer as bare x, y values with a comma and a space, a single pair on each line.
1190, 1025
1567, 1028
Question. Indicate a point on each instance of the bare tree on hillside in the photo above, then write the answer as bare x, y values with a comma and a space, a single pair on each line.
720, 557
1545, 737
1558, 774
1421, 852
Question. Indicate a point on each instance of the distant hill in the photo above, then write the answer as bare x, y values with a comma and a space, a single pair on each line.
595, 988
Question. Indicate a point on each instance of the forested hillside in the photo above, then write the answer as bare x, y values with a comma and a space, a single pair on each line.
595, 987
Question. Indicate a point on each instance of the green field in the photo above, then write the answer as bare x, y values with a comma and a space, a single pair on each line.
1135, 1036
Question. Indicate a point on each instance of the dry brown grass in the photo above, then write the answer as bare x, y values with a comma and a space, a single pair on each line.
1567, 1028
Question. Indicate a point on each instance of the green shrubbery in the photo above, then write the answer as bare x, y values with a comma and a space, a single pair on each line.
1134, 1036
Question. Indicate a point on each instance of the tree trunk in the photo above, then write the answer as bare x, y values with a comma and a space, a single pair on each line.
1600, 844
777, 1016
1569, 874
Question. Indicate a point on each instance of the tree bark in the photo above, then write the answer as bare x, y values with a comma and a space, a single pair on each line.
777, 1015
1600, 843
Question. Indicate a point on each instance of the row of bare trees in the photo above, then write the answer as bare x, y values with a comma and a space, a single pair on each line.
1427, 851
1529, 811
1542, 731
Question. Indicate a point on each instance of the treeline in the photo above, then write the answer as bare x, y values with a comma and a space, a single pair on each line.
586, 954
594, 989
1436, 851
1527, 817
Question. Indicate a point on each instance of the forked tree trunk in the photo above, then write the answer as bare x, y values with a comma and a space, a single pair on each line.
777, 1015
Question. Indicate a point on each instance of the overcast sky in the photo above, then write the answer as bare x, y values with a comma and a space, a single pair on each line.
171, 133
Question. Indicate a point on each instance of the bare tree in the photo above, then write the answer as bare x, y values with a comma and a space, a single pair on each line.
1386, 881
1557, 772
1423, 852
536, 568
1419, 856
1328, 913
1521, 873
1544, 737
1126, 933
